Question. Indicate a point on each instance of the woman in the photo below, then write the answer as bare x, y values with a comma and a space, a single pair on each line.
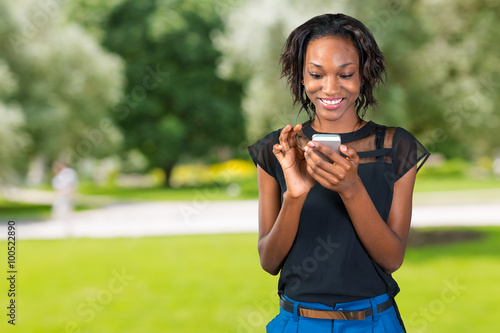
335, 229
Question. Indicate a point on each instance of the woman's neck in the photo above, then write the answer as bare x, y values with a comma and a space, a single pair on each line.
338, 126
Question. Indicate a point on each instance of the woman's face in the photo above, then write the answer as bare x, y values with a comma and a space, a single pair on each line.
331, 78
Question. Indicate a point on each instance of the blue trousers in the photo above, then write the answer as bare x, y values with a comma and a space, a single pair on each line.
384, 322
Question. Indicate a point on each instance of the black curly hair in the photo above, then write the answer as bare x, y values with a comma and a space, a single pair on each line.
371, 60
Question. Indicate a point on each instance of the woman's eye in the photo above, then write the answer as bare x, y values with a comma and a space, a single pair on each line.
316, 76
346, 76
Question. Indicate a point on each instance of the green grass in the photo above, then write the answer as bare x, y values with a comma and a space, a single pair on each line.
23, 211
430, 184
213, 283
19, 211
452, 288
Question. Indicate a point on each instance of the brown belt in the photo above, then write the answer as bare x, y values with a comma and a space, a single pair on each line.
330, 314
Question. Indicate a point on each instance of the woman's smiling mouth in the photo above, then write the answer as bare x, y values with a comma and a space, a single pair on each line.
331, 103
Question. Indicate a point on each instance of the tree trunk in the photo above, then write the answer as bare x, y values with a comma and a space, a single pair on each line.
167, 169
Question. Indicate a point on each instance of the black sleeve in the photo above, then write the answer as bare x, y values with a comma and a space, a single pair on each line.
408, 152
262, 153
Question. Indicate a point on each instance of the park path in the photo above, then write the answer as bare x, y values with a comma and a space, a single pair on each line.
471, 208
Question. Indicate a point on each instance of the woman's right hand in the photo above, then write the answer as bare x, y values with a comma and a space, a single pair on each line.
292, 161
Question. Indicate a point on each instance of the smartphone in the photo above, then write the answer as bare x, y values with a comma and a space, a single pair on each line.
332, 141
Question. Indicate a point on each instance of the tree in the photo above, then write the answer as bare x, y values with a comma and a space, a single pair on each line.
442, 58
177, 106
443, 72
65, 83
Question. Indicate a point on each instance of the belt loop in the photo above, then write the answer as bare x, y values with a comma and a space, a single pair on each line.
374, 309
295, 311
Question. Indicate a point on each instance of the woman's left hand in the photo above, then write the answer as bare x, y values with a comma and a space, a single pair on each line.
340, 176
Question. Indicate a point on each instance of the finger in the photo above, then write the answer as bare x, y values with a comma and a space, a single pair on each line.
350, 153
297, 128
327, 181
332, 172
284, 137
321, 170
278, 152
329, 153
316, 161
292, 135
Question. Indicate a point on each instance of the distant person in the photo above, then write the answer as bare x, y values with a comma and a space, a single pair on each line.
496, 166
65, 182
336, 229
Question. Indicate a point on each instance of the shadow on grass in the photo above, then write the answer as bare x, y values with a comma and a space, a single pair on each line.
445, 236
433, 243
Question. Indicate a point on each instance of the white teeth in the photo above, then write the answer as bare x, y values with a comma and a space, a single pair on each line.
332, 101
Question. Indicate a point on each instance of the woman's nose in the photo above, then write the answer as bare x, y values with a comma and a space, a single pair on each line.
331, 85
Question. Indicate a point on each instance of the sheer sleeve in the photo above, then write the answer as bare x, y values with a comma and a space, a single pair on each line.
408, 152
262, 153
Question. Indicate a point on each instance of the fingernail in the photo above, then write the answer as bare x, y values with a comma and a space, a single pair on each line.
306, 148
311, 144
343, 148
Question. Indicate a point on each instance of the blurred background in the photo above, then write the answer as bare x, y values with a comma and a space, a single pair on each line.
123, 134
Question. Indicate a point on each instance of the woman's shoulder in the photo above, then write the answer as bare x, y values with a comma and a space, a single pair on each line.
395, 134
267, 141
262, 154
406, 149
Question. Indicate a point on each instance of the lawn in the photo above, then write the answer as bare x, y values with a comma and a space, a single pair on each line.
431, 184
213, 283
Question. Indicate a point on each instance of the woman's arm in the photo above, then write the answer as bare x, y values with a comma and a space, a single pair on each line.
278, 224
384, 242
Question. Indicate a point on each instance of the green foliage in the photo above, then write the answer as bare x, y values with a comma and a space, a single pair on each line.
251, 44
58, 83
91, 14
443, 66
442, 59
177, 106
455, 168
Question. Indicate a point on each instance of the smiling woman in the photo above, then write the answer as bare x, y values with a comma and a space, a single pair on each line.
335, 229
332, 79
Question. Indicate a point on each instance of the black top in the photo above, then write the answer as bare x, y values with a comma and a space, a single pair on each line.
327, 262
